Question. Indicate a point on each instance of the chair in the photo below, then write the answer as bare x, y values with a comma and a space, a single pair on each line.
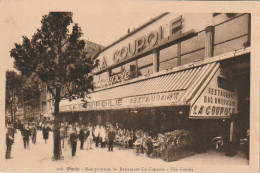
136, 147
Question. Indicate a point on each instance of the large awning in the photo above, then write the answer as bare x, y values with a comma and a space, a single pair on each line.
176, 88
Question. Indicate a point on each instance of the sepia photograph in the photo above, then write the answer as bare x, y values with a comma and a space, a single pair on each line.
94, 89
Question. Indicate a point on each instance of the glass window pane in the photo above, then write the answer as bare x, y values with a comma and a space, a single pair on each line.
168, 64
229, 46
194, 43
231, 29
116, 70
131, 66
191, 57
128, 66
145, 71
145, 60
168, 53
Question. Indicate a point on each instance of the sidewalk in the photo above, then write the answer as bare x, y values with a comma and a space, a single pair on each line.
38, 157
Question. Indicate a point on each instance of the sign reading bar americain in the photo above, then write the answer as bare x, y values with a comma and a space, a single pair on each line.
218, 100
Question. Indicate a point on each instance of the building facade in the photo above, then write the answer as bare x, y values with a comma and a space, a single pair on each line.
177, 71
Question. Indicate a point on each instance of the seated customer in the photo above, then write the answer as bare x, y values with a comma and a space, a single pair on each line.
137, 144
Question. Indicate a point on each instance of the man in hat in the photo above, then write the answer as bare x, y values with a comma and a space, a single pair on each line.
33, 133
73, 141
9, 141
111, 138
26, 133
81, 137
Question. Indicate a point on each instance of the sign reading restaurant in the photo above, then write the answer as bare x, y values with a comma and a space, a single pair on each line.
219, 98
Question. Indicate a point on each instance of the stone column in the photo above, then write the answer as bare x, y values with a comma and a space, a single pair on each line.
156, 61
209, 41
178, 54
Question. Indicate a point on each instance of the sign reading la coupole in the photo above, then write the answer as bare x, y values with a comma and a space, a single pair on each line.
162, 99
144, 43
219, 98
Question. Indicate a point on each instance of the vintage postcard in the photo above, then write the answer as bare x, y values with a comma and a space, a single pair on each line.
132, 86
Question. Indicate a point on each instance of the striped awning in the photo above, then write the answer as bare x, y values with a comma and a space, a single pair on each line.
187, 83
189, 80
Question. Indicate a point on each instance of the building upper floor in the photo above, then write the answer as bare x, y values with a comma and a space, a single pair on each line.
168, 41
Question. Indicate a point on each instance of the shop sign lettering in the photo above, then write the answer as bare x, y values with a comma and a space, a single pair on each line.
154, 98
200, 110
215, 101
153, 38
145, 42
131, 102
113, 79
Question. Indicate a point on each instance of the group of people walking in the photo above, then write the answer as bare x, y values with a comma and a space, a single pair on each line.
28, 130
87, 135
99, 135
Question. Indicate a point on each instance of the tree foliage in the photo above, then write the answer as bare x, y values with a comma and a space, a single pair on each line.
13, 86
57, 56
21, 91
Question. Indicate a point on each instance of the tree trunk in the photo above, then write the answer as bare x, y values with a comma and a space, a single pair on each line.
11, 110
57, 155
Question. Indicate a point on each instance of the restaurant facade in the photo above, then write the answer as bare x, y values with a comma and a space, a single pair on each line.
177, 71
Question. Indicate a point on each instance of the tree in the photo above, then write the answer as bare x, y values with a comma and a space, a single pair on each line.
13, 86
57, 56
32, 89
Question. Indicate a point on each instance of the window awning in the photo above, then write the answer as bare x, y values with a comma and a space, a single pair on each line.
177, 88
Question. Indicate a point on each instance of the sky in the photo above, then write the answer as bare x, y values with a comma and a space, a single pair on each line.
102, 21
100, 25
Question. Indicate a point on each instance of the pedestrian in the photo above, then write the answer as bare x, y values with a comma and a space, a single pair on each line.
96, 134
73, 141
26, 134
89, 137
33, 133
81, 137
102, 137
111, 138
62, 135
40, 125
45, 133
9, 142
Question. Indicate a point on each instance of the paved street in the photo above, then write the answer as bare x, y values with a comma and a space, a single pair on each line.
38, 157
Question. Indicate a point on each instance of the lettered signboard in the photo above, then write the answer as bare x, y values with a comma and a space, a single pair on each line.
218, 99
